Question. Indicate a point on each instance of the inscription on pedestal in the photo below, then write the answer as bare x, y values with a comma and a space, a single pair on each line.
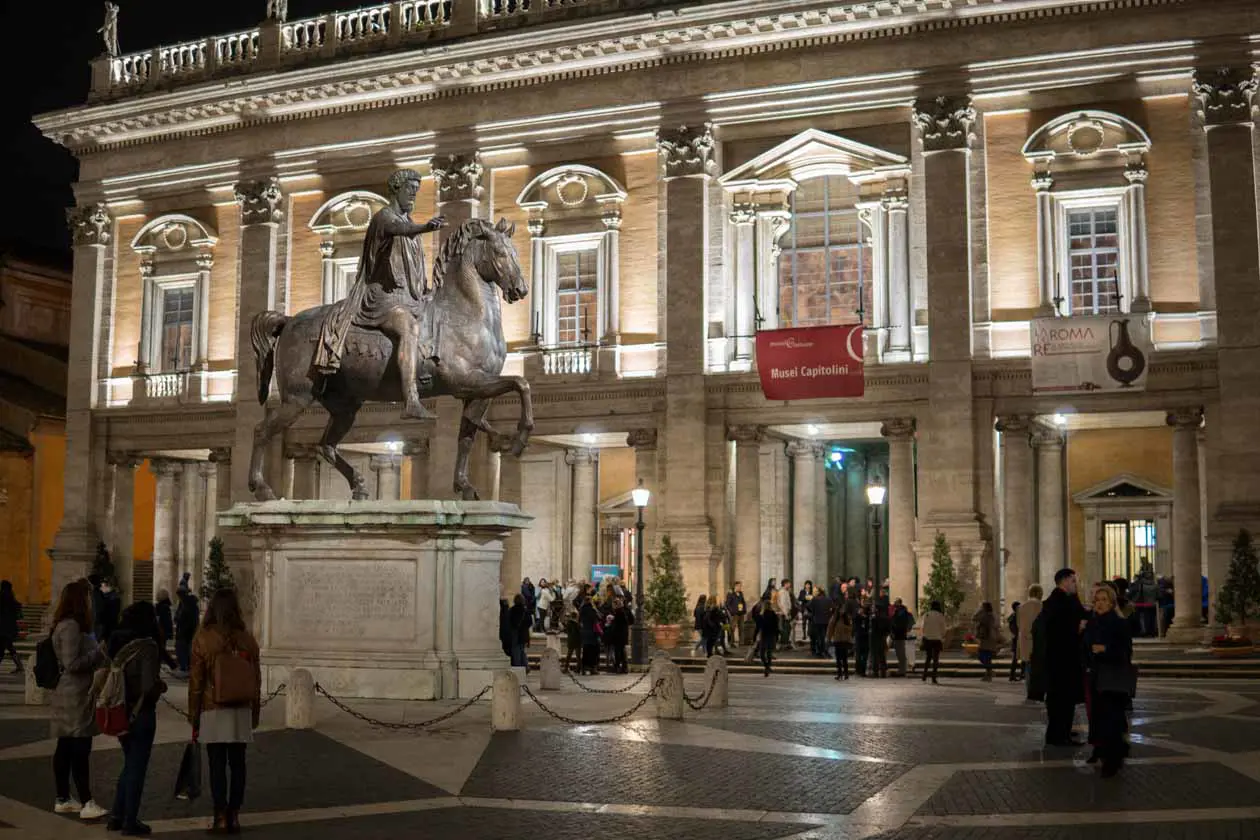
348, 600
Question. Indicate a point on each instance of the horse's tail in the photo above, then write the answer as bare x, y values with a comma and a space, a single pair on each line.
264, 330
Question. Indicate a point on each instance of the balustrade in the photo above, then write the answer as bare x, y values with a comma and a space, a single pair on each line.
568, 361
237, 48
166, 386
514, 8
304, 35
182, 59
363, 24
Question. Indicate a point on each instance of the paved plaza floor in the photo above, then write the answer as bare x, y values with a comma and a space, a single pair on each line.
792, 757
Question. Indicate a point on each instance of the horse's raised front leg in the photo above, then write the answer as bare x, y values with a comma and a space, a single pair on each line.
274, 422
470, 422
340, 420
507, 385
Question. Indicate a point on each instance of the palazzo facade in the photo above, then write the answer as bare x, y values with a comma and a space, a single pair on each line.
683, 175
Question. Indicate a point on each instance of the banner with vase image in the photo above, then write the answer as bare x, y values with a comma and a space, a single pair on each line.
1094, 353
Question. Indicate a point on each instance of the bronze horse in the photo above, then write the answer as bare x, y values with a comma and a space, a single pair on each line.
476, 264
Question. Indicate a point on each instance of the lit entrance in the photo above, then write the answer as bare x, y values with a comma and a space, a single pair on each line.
1127, 545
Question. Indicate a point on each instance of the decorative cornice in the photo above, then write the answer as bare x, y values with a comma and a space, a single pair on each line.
260, 201
458, 177
687, 151
1225, 94
944, 122
90, 225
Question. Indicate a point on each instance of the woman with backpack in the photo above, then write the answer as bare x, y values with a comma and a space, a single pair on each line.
133, 648
73, 712
10, 615
224, 700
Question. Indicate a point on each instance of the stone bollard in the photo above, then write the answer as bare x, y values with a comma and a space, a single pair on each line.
555, 642
669, 697
659, 660
550, 671
505, 702
720, 682
299, 700
35, 696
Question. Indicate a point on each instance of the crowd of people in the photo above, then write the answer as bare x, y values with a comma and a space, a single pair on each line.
92, 637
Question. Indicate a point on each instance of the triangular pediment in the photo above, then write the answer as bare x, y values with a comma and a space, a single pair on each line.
621, 503
1124, 486
814, 153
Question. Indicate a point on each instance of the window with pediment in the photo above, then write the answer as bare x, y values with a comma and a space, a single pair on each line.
176, 256
825, 261
341, 224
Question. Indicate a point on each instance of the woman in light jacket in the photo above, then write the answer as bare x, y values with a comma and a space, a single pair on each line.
932, 634
73, 714
1028, 612
224, 730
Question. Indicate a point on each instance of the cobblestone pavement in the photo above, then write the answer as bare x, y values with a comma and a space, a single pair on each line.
804, 758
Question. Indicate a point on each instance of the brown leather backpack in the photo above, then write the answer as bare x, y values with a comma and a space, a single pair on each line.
235, 679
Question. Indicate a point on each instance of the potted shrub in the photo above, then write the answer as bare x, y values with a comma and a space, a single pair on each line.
665, 602
1228, 647
1239, 598
942, 585
970, 646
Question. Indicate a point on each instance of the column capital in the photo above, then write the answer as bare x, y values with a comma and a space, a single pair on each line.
1014, 424
418, 448
1046, 437
301, 451
944, 122
123, 459
743, 213
687, 150
1042, 182
383, 463
327, 248
260, 201
1135, 172
221, 455
895, 201
746, 434
641, 439
501, 442
165, 467
803, 450
1183, 419
898, 428
90, 224
205, 469
458, 177
1225, 93
580, 457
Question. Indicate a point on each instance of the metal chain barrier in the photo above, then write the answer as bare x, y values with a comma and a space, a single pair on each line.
319, 689
587, 688
181, 712
272, 696
703, 699
616, 719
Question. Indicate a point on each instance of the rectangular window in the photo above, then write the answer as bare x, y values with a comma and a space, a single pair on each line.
176, 346
577, 292
825, 266
1126, 546
1093, 247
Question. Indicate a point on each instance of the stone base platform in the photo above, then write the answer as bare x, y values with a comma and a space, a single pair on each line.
388, 600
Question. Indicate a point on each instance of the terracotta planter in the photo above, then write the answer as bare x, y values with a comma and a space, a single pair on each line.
971, 648
666, 636
1233, 652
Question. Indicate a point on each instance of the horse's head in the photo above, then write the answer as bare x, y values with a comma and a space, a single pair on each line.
498, 261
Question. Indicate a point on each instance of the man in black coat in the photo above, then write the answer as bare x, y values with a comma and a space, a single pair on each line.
1062, 619
819, 615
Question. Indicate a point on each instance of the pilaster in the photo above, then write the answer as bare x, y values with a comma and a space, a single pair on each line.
1187, 526
1051, 506
748, 441
899, 432
166, 525
123, 514
418, 452
585, 534
805, 457
1018, 502
510, 491
643, 442
388, 470
305, 470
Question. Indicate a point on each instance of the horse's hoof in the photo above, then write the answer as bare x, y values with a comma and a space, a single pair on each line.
264, 494
470, 494
518, 448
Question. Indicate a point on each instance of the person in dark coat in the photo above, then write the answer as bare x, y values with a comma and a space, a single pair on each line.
767, 633
902, 624
1108, 644
617, 634
520, 620
187, 619
135, 642
698, 614
1012, 624
862, 637
588, 617
881, 630
737, 608
819, 616
106, 608
714, 624
530, 595
166, 626
505, 628
10, 613
1061, 624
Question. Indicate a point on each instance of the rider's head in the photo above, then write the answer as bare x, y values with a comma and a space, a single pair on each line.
403, 185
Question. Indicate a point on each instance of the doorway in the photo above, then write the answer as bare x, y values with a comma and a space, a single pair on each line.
1127, 544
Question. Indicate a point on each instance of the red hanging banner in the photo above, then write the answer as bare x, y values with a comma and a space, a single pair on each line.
811, 363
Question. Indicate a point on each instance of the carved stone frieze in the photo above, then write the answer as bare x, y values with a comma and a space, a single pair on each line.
1225, 94
1014, 424
458, 177
750, 434
898, 428
944, 122
687, 150
743, 213
641, 439
260, 201
90, 225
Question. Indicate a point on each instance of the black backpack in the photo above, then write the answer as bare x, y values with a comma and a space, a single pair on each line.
47, 668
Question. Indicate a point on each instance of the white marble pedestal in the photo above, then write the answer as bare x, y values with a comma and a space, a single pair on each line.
392, 600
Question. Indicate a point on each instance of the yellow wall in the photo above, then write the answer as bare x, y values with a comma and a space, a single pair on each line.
508, 183
1096, 455
306, 281
50, 456
616, 472
1012, 216
127, 293
1170, 241
15, 522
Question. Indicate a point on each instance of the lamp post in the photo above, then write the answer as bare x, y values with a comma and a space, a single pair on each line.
638, 633
875, 492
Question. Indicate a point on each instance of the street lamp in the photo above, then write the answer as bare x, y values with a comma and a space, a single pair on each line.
638, 633
875, 492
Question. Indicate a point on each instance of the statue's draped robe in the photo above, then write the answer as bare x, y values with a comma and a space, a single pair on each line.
391, 275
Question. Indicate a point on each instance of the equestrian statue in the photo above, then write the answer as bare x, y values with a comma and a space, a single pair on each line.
398, 336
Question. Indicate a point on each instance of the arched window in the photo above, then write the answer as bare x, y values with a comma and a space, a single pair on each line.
341, 223
176, 255
825, 264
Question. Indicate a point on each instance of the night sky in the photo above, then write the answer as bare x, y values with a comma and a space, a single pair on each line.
44, 64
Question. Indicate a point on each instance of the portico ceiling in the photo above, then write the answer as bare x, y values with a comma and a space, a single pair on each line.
829, 431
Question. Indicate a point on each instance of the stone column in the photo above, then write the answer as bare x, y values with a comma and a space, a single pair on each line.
104, 505
822, 557
418, 452
857, 528
387, 469
947, 442
876, 336
74, 545
510, 575
585, 540
305, 470
209, 473
610, 318
538, 301
643, 442
222, 459
165, 525
1225, 96
123, 525
1051, 503
744, 221
1135, 201
902, 574
688, 164
1047, 270
804, 557
1017, 500
1187, 527
191, 517
261, 214
328, 269
748, 504
900, 308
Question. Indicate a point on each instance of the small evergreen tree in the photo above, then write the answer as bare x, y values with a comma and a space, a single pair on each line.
103, 565
665, 601
218, 575
1239, 598
942, 584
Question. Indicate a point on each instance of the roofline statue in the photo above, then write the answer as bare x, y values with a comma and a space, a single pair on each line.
109, 30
